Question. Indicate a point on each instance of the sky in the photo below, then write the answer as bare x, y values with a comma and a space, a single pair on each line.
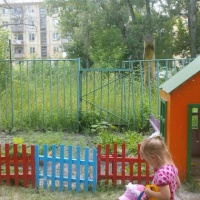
18, 1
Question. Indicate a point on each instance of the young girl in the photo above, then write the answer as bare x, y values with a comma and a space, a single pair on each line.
156, 153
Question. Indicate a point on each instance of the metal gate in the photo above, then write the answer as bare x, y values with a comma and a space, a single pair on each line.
120, 96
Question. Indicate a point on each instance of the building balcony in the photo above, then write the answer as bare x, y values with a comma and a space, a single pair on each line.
17, 28
18, 42
66, 39
18, 55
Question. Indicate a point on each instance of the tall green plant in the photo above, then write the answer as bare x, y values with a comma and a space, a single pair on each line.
5, 65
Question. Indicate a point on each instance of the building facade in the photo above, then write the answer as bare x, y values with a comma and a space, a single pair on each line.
33, 33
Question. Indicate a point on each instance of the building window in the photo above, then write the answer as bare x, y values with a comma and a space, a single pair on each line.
16, 21
18, 36
55, 49
17, 11
5, 11
30, 9
31, 36
32, 49
30, 22
5, 24
18, 50
43, 37
44, 51
43, 12
55, 22
43, 23
55, 36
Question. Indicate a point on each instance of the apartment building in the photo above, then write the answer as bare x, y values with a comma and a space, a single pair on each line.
33, 33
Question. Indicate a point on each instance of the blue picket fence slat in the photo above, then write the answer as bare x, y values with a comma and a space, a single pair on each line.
71, 172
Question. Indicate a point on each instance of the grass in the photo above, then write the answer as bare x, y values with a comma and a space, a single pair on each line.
13, 193
107, 192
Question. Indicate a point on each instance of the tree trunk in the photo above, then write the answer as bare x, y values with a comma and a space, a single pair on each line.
148, 15
149, 49
131, 11
149, 54
192, 26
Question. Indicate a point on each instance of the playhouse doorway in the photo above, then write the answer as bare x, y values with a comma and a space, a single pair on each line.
194, 133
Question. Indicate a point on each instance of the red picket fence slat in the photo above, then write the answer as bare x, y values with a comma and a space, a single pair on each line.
121, 167
17, 168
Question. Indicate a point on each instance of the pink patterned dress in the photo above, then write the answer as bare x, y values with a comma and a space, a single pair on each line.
167, 175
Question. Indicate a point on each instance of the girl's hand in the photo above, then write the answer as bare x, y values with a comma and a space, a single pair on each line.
148, 192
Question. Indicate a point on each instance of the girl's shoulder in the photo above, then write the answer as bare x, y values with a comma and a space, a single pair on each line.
168, 168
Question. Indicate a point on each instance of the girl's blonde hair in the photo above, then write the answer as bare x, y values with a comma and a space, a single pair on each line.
155, 146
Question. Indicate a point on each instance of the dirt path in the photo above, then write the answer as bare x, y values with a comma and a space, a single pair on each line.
184, 194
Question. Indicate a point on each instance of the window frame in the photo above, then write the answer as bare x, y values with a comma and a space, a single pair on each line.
32, 50
31, 37
55, 36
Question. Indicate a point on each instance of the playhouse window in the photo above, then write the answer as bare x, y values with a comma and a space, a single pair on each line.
163, 114
194, 110
195, 118
195, 122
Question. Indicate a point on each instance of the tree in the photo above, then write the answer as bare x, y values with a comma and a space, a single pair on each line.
181, 39
105, 48
75, 20
4, 44
192, 25
117, 26
4, 56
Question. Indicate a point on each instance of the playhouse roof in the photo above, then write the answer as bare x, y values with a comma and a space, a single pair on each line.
179, 78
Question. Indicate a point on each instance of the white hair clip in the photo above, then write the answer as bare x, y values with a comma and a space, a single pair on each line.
154, 135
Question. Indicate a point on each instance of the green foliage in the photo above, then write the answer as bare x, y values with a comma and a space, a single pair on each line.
105, 48
88, 118
130, 138
198, 33
4, 55
181, 41
48, 140
19, 141
42, 139
103, 126
4, 44
98, 33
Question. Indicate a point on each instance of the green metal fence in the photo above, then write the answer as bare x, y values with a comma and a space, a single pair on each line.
59, 94
121, 96
38, 94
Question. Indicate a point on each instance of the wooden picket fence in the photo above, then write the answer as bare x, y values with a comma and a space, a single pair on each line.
17, 169
121, 168
80, 170
79, 173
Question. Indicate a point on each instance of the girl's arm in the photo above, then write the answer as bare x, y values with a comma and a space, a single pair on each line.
163, 194
178, 183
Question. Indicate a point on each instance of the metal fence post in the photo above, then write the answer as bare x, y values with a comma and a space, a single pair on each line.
79, 92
